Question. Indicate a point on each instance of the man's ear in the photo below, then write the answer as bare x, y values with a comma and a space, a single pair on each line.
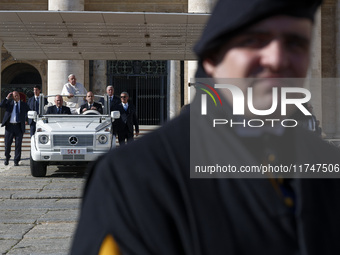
209, 66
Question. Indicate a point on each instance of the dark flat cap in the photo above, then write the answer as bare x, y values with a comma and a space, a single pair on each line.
230, 16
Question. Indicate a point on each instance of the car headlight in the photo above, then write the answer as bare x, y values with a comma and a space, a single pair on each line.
43, 139
102, 139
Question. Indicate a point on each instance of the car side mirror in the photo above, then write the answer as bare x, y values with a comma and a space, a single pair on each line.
115, 114
32, 115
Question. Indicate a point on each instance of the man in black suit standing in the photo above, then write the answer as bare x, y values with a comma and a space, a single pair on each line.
33, 104
114, 100
91, 104
14, 122
128, 118
58, 108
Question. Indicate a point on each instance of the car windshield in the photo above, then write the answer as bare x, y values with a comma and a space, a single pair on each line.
77, 105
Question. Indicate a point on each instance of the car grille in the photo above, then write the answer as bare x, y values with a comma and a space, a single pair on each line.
63, 140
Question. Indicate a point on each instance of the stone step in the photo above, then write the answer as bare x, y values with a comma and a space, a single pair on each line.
26, 141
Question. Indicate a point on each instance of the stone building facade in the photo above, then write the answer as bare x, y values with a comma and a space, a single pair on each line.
95, 75
52, 74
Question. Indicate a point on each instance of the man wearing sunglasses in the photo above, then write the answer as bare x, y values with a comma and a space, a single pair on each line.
128, 119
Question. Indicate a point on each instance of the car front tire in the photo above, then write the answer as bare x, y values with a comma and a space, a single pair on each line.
38, 169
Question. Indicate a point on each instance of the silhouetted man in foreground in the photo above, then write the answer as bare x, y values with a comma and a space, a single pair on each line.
150, 202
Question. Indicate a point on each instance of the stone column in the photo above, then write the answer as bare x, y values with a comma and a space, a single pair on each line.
66, 5
191, 71
337, 84
0, 66
328, 66
58, 70
195, 6
99, 77
314, 73
174, 88
200, 6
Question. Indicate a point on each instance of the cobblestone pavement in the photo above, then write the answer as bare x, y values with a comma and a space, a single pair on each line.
38, 215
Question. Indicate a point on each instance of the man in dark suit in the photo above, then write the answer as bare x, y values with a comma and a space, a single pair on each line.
91, 104
58, 108
114, 100
14, 122
33, 104
128, 119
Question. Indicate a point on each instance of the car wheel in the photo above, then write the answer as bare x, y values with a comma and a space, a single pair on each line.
38, 169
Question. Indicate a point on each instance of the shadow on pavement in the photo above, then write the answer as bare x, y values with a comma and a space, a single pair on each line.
67, 172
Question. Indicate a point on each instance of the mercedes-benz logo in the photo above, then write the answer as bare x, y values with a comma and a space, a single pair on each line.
73, 140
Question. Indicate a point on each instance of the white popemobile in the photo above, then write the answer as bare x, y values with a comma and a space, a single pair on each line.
62, 139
